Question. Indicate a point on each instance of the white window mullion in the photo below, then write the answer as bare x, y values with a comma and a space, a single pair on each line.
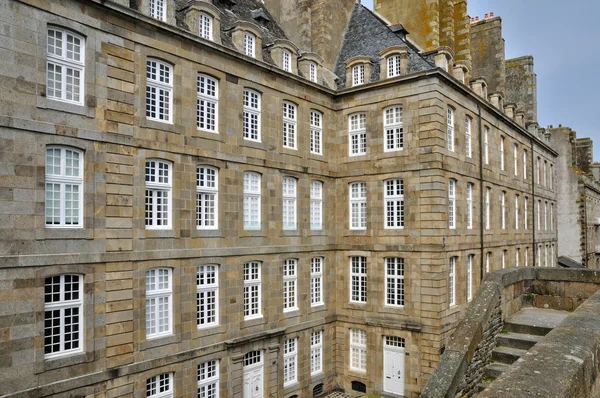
358, 205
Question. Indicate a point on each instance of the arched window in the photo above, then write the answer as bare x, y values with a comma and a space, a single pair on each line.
65, 64
159, 302
159, 91
207, 103
64, 187
206, 26
158, 194
393, 127
207, 197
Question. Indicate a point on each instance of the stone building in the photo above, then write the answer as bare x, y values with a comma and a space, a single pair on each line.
578, 198
206, 198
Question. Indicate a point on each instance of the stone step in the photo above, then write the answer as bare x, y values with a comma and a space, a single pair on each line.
483, 385
535, 321
523, 328
518, 340
507, 355
494, 370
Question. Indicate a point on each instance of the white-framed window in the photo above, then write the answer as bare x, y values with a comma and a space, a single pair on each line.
250, 44
252, 290
503, 259
358, 74
207, 295
539, 255
393, 129
312, 72
316, 132
393, 66
524, 164
64, 188
316, 352
526, 213
470, 277
516, 158
394, 204
545, 173
537, 170
394, 281
289, 204
208, 379
452, 281
517, 255
539, 209
290, 361
159, 91
207, 197
552, 255
468, 146
252, 197
158, 9
207, 103
290, 285
551, 216
357, 134
289, 125
488, 257
545, 216
516, 211
316, 205
158, 194
450, 129
252, 115
469, 206
503, 210
65, 66
358, 205
316, 281
452, 204
206, 26
546, 256
527, 257
160, 386
286, 60
358, 350
502, 165
159, 302
551, 177
63, 318
488, 193
486, 150
358, 279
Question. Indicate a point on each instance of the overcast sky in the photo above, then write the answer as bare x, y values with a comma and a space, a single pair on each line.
564, 38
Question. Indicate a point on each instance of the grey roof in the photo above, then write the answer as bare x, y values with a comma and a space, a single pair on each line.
367, 35
566, 262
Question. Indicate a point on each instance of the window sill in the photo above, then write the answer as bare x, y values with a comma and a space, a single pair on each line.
159, 341
254, 144
206, 233
163, 126
317, 232
67, 107
209, 135
207, 331
63, 233
157, 233
318, 307
63, 361
290, 232
291, 313
248, 323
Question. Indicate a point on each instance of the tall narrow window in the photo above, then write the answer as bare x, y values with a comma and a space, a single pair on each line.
64, 188
524, 164
358, 350
537, 171
206, 26
207, 295
487, 207
159, 91
539, 209
357, 137
551, 216
545, 216
488, 257
158, 9
358, 205
516, 211
358, 279
452, 281
289, 204
468, 146
452, 204
290, 361
516, 158
469, 206
546, 256
394, 204
358, 75
65, 54
207, 103
158, 194
252, 290
551, 177
286, 61
503, 211
486, 151
450, 129
393, 66
316, 352
503, 259
63, 322
545, 173
502, 153
312, 72
316, 132
526, 214
316, 205
470, 277
290, 283
394, 281
552, 255
394, 130
159, 303
249, 45
517, 255
289, 125
527, 257
160, 386
252, 115
316, 281
208, 379
252, 200
207, 198
539, 255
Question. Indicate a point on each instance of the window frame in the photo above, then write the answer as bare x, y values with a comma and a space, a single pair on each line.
289, 204
290, 361
249, 97
316, 132
203, 194
156, 294
157, 379
358, 280
317, 281
155, 187
450, 129
486, 153
452, 203
290, 125
205, 24
251, 198
516, 212
205, 101
470, 277
208, 379
316, 206
395, 215
203, 274
452, 281
66, 63
312, 72
516, 158
502, 159
469, 205
358, 134
525, 213
290, 285
488, 192
63, 180
394, 282
249, 283
358, 75
153, 5
250, 44
358, 219
316, 352
393, 65
524, 164
160, 88
393, 127
286, 60
468, 137
358, 350
503, 210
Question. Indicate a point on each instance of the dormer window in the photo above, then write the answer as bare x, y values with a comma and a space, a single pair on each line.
393, 66
250, 44
358, 74
286, 57
206, 26
312, 72
158, 9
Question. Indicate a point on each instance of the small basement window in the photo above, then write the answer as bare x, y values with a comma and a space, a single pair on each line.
318, 390
358, 386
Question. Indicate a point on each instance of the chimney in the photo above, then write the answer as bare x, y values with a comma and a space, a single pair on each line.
491, 15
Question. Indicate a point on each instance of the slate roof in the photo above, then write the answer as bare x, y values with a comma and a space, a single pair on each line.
367, 35
566, 262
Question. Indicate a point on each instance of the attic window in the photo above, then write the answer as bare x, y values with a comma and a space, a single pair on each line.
358, 75
393, 65
249, 44
286, 60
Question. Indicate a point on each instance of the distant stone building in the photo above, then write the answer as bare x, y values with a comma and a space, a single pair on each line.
240, 198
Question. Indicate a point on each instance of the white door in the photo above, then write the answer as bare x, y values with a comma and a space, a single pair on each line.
393, 365
253, 375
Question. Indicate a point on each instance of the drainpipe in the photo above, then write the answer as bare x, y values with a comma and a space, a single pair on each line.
481, 190
533, 203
